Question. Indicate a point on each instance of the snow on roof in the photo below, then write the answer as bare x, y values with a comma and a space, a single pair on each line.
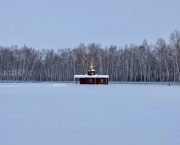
91, 70
93, 76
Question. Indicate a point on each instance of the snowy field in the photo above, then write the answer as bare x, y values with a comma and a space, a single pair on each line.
69, 114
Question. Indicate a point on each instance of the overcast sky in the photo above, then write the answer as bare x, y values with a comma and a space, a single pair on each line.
67, 23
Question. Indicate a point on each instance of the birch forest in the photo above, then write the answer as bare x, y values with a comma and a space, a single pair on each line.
159, 62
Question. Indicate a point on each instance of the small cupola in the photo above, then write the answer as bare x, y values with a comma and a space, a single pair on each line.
91, 70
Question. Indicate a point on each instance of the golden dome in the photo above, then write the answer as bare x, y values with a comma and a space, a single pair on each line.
91, 66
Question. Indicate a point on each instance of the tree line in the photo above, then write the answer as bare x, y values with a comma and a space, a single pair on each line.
146, 62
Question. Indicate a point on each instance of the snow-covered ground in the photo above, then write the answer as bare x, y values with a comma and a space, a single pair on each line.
69, 114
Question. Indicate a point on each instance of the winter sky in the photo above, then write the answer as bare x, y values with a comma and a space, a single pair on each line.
67, 23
